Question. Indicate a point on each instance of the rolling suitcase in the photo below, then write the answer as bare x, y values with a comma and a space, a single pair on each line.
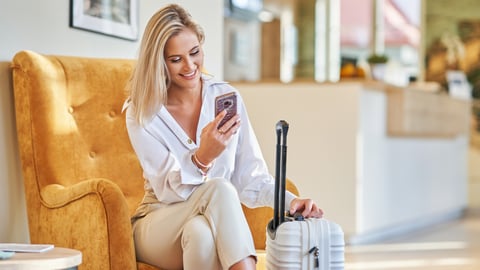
297, 242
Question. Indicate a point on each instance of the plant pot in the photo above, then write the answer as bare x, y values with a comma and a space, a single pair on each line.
377, 71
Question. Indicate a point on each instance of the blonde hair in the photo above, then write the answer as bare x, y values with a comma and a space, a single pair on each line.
150, 79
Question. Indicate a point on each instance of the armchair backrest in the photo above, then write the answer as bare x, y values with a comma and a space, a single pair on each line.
70, 125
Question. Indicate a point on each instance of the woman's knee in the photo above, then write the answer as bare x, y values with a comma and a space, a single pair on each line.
219, 197
223, 187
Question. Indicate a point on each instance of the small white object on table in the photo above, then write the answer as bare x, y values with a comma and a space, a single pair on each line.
56, 258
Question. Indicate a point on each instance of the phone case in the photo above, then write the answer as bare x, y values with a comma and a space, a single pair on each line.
226, 102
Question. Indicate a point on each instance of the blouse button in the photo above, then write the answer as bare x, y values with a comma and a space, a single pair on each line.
189, 141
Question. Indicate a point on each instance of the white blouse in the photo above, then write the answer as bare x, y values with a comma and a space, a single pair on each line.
164, 151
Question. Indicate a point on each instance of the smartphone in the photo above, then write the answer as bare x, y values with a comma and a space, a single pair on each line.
226, 102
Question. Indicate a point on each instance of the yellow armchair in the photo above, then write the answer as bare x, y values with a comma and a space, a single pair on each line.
82, 178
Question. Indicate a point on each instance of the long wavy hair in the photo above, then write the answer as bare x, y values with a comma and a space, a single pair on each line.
150, 80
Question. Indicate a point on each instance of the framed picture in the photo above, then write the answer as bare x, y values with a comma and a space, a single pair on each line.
117, 18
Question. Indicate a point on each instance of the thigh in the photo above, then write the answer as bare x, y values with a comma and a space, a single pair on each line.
157, 240
158, 235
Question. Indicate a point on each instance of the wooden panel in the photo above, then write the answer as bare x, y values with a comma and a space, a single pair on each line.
271, 50
424, 114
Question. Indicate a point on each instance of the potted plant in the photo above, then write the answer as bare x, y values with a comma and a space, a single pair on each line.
377, 64
377, 59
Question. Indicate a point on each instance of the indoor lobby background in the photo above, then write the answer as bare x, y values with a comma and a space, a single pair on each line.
334, 164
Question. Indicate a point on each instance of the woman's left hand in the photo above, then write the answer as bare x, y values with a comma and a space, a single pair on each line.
307, 207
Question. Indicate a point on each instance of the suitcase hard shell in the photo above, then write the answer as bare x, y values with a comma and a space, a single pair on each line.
310, 244
295, 242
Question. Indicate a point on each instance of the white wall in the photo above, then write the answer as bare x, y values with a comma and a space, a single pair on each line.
340, 155
43, 26
321, 157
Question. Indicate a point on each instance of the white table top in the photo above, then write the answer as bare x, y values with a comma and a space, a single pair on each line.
57, 258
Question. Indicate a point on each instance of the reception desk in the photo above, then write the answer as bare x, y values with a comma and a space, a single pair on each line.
417, 113
380, 160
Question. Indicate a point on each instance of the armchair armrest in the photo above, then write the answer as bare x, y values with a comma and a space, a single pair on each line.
95, 217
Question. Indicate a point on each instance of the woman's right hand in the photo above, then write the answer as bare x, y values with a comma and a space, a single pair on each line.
214, 140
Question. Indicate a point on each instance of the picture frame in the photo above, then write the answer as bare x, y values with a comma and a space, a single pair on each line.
116, 18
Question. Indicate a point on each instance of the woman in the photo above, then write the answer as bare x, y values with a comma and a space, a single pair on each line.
196, 173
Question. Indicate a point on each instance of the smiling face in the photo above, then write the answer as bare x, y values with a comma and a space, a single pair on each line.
184, 59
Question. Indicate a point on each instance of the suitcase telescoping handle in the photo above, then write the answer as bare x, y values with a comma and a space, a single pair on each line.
280, 174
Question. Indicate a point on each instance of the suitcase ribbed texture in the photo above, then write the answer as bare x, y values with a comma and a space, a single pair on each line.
309, 244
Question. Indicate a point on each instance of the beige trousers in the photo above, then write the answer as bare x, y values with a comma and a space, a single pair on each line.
208, 231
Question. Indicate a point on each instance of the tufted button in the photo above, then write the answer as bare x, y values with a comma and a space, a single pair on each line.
112, 114
189, 141
70, 109
92, 154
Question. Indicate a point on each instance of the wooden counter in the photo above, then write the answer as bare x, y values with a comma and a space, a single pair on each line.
424, 114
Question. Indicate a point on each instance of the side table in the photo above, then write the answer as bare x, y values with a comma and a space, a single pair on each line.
57, 258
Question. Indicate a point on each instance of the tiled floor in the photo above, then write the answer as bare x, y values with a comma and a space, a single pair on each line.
451, 246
